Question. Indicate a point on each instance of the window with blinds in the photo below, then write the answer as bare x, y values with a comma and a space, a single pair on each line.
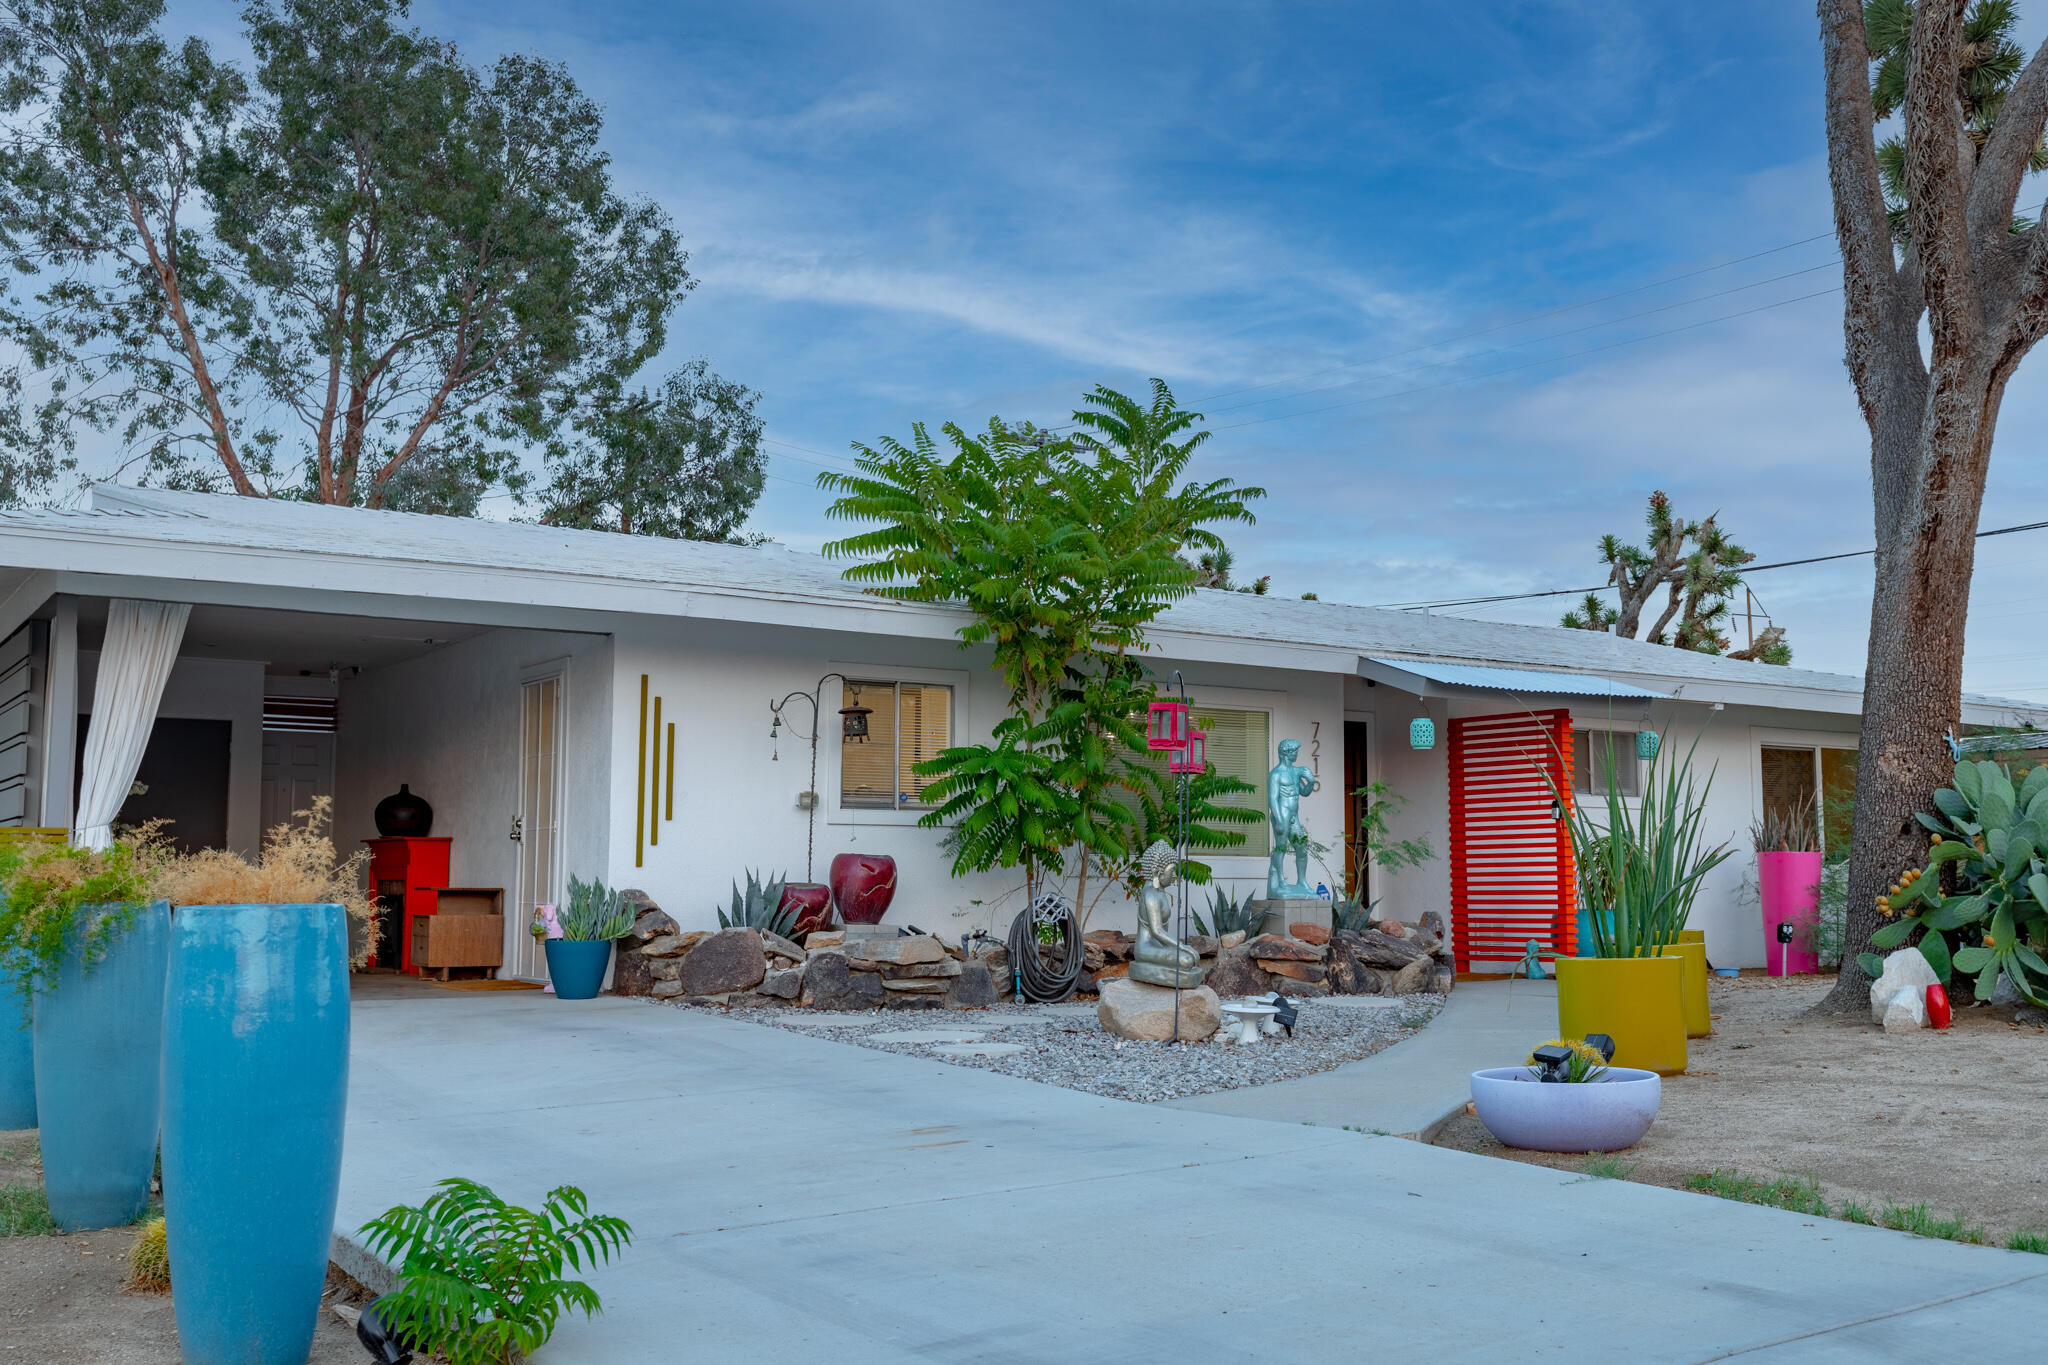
1241, 746
908, 725
1601, 755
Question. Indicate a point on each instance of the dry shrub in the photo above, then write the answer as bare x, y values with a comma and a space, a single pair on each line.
299, 865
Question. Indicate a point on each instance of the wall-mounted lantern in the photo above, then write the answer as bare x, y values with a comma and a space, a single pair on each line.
1422, 733
853, 718
1646, 744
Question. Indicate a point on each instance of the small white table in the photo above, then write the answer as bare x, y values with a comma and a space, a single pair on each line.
1246, 1016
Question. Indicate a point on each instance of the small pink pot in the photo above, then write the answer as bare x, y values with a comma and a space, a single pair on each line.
1788, 885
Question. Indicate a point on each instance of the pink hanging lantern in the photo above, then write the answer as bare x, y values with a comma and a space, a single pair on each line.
1168, 727
1193, 759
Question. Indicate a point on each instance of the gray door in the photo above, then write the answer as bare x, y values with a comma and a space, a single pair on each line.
296, 768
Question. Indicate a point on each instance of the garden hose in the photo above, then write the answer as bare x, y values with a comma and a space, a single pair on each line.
1036, 982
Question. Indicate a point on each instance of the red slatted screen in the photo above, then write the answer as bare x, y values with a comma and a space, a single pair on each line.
1511, 857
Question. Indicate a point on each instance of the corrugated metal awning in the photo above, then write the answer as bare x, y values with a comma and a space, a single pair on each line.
1416, 675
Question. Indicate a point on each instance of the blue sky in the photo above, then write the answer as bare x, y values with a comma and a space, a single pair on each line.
1327, 226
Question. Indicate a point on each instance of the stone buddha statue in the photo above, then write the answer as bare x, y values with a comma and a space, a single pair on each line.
1160, 959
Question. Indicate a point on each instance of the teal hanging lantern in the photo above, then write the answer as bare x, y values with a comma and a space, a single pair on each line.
1422, 733
1646, 744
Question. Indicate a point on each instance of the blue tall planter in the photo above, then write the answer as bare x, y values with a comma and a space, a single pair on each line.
98, 1044
17, 1060
576, 966
255, 1093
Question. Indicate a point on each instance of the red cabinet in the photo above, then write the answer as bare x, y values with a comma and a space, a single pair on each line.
404, 877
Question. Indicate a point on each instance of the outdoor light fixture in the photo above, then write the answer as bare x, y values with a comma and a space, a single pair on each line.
853, 719
1167, 727
385, 1346
1601, 1043
1646, 744
1194, 758
1422, 733
1553, 1060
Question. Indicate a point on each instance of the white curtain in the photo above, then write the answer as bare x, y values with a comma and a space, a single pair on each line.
142, 644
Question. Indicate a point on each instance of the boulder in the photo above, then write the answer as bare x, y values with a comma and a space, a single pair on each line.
786, 984
914, 1000
1287, 985
775, 945
651, 921
1317, 934
829, 985
1349, 976
1905, 972
729, 960
917, 986
1279, 948
1906, 1012
1392, 928
1230, 940
943, 967
1115, 944
1443, 978
1297, 971
1417, 976
972, 989
1134, 1010
824, 938
1376, 949
902, 951
663, 990
996, 957
1234, 973
1204, 944
1093, 957
1432, 921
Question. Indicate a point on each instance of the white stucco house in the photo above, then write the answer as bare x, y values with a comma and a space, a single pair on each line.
608, 699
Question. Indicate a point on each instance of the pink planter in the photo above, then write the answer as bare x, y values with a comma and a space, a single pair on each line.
1788, 884
863, 884
812, 902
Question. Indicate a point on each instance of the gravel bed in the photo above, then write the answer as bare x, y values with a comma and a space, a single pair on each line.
1065, 1046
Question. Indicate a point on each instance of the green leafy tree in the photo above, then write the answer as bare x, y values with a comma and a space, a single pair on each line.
363, 272
1064, 551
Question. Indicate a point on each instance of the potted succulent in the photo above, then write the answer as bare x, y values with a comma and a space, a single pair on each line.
590, 921
1788, 862
255, 1075
1639, 871
84, 944
1567, 1098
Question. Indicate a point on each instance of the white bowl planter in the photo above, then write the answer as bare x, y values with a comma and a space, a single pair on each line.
1606, 1115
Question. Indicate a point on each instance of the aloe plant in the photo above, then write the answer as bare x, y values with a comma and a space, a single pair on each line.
1644, 864
760, 907
594, 913
1993, 839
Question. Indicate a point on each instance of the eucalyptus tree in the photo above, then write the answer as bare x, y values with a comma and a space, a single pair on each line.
365, 272
1969, 267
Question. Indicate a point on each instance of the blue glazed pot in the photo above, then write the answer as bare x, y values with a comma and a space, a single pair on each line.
17, 1060
98, 1044
1589, 946
576, 966
255, 1094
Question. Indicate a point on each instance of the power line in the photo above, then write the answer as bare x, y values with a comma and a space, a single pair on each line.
1602, 587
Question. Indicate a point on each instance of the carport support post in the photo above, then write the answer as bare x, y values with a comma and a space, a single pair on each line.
60, 717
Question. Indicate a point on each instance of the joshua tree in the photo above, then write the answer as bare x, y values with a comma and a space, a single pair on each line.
1697, 567
1960, 259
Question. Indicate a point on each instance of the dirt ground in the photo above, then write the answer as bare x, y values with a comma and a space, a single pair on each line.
1951, 1119
62, 1300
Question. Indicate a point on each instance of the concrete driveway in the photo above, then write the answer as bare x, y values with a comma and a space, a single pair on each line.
801, 1200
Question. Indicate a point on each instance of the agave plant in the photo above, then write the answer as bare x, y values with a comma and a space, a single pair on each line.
1349, 914
1994, 840
760, 907
594, 913
1229, 915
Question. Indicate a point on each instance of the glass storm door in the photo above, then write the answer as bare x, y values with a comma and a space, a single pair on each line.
540, 821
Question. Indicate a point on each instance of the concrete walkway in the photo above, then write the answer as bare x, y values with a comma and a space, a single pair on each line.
797, 1200
1413, 1087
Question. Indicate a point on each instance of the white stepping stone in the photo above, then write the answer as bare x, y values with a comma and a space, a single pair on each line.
983, 1049
929, 1035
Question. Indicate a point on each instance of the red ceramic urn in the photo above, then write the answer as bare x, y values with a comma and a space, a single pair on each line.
863, 884
812, 902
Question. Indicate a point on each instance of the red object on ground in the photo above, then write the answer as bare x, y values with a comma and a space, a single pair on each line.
813, 904
1938, 1012
863, 884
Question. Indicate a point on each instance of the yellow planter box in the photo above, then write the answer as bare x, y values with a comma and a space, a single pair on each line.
1692, 936
1638, 1001
1699, 1020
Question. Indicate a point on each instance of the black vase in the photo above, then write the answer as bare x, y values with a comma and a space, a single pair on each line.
404, 816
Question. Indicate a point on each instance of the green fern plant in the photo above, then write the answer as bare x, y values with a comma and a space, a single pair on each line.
760, 907
482, 1280
594, 913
